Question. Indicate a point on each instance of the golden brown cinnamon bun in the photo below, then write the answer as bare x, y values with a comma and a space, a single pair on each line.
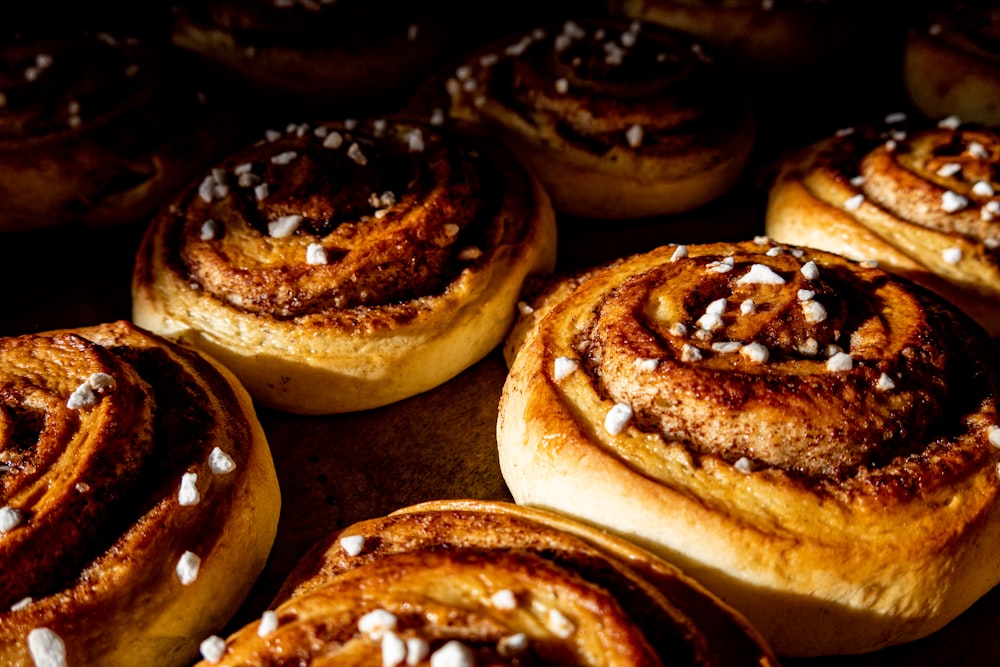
814, 440
618, 120
100, 129
479, 582
951, 63
923, 202
346, 266
346, 55
139, 500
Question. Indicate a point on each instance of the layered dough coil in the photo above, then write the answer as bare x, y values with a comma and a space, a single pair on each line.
100, 129
618, 120
951, 63
922, 201
814, 440
345, 266
488, 583
139, 499
344, 55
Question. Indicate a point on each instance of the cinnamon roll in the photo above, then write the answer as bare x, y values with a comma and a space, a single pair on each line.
951, 63
344, 266
100, 129
813, 439
617, 119
324, 56
922, 201
139, 499
479, 582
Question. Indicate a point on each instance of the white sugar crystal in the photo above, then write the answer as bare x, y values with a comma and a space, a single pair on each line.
333, 140
810, 271
854, 203
243, 168
284, 226
857, 181
647, 365
415, 140
748, 306
209, 229
949, 169
950, 123
760, 274
82, 396
453, 654
885, 383
722, 266
272, 135
844, 132
744, 465
220, 463
437, 117
393, 650
678, 329
690, 353
187, 567
504, 599
897, 117
634, 136
755, 352
990, 210
717, 307
376, 623
810, 347
993, 435
561, 626
775, 251
890, 145
352, 544
805, 294
562, 86
977, 150
268, 623
354, 152
206, 189
101, 382
10, 519
952, 255
813, 311
470, 253
417, 650
982, 189
952, 202
188, 494
761, 240
284, 158
710, 322
563, 367
512, 645
680, 252
617, 418
378, 127
213, 648
841, 361
261, 191
524, 308
315, 254
727, 347
46, 648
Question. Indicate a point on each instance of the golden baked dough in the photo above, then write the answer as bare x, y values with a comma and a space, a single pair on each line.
100, 129
951, 64
492, 583
345, 266
814, 440
922, 202
617, 119
139, 499
318, 55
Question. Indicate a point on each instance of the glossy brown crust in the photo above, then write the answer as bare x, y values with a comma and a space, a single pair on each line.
99, 129
327, 55
788, 36
618, 120
437, 567
841, 490
951, 63
423, 240
102, 528
922, 201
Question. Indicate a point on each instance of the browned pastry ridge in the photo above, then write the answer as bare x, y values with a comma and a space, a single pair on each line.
951, 64
327, 55
139, 499
348, 265
922, 201
617, 119
99, 129
814, 440
477, 582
